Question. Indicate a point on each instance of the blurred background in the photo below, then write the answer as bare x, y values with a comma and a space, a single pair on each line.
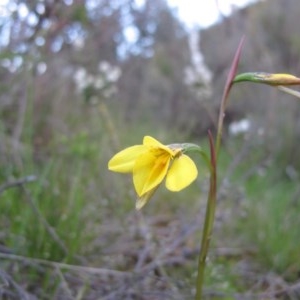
81, 80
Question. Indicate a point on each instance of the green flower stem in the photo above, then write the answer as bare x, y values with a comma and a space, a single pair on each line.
224, 100
209, 221
212, 195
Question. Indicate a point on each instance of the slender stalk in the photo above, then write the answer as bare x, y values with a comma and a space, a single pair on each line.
209, 221
227, 88
289, 91
212, 195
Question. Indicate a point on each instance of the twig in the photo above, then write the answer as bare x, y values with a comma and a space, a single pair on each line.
64, 283
17, 183
76, 268
9, 282
163, 257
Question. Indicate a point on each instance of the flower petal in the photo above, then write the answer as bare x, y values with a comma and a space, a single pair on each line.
152, 142
149, 170
182, 173
124, 160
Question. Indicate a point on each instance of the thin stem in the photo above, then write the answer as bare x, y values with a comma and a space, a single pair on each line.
289, 91
211, 201
221, 121
209, 221
227, 88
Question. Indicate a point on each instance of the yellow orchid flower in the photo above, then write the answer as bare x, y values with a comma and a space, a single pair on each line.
151, 163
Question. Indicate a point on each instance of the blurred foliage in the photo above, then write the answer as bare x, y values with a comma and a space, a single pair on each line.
270, 28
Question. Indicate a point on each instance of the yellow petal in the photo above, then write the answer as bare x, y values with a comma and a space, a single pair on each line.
149, 170
123, 161
152, 142
182, 173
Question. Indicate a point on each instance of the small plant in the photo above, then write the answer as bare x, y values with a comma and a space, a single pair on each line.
153, 162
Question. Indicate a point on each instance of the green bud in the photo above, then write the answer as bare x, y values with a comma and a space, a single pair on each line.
268, 78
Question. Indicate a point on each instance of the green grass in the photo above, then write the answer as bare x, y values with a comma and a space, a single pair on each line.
54, 198
77, 197
272, 222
